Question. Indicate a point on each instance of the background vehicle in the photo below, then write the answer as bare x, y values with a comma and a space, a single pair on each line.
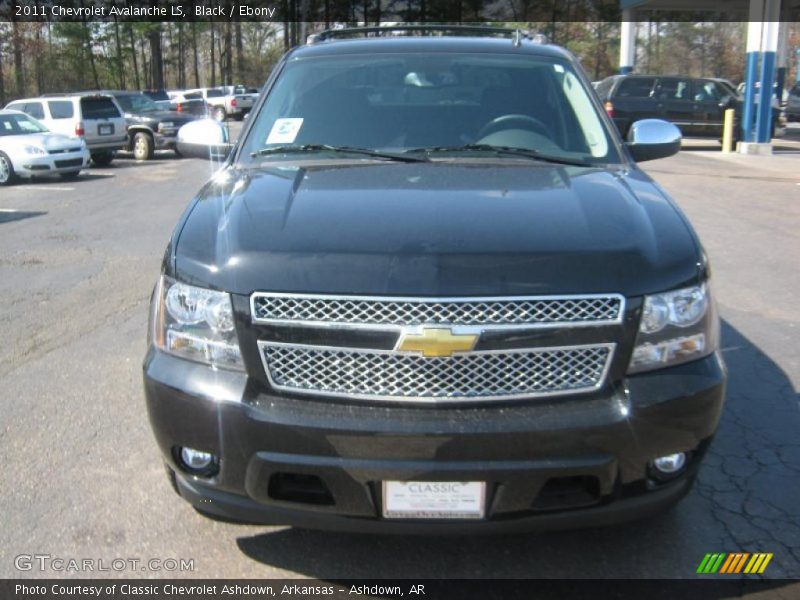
150, 128
160, 97
779, 118
728, 85
94, 117
191, 104
245, 97
793, 104
29, 149
695, 105
223, 103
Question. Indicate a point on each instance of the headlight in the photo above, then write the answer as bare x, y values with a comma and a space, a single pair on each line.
196, 324
34, 150
676, 327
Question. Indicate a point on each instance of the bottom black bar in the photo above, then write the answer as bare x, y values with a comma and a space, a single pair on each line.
422, 589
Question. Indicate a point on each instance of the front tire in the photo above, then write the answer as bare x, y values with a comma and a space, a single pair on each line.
219, 114
102, 159
143, 146
7, 175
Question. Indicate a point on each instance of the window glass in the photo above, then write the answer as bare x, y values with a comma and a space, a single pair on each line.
636, 87
709, 92
604, 87
157, 94
19, 125
35, 109
675, 89
136, 103
215, 94
99, 107
408, 101
61, 109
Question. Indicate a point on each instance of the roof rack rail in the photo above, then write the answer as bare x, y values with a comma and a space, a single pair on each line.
78, 93
376, 31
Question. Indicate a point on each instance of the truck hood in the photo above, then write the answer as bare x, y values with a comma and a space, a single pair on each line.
458, 228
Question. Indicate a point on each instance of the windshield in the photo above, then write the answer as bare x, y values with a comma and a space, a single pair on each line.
20, 125
156, 95
413, 102
136, 103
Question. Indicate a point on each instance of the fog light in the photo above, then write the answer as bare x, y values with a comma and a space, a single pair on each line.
670, 464
196, 460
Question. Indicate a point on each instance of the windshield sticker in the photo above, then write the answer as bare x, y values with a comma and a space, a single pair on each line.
284, 131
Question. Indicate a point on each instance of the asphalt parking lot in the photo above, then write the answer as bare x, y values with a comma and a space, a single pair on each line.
82, 478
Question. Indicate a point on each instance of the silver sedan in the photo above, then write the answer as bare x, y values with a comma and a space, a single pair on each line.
28, 149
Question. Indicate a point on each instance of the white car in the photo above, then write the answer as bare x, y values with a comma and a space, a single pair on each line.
96, 117
28, 149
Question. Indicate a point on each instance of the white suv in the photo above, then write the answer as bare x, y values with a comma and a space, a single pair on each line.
94, 117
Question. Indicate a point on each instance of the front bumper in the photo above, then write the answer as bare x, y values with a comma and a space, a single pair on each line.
66, 162
166, 140
551, 463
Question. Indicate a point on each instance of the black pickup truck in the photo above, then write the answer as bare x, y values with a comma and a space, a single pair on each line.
150, 127
430, 290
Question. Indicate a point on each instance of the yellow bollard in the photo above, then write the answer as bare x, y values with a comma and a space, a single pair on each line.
727, 131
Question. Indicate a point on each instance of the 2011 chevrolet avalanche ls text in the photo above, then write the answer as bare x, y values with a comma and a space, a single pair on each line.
430, 290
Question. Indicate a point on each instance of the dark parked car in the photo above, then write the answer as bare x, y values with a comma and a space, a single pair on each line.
161, 99
190, 104
174, 102
695, 105
431, 290
793, 104
150, 128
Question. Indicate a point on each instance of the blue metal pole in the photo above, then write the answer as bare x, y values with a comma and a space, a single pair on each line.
748, 110
764, 116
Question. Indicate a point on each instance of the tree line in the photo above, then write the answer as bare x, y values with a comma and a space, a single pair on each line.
45, 57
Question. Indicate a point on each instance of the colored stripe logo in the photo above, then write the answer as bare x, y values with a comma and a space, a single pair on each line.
734, 562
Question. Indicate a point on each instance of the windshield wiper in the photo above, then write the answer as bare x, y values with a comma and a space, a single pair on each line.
290, 148
504, 150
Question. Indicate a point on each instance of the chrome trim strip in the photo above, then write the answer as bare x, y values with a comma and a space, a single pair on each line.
345, 325
438, 400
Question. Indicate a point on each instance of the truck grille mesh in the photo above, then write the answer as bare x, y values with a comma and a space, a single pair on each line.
389, 375
325, 310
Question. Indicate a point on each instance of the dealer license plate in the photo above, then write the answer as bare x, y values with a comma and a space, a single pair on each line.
105, 129
434, 499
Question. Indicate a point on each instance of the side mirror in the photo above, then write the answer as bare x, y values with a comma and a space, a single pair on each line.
204, 138
649, 139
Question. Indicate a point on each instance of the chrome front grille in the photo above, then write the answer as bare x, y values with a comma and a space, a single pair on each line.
388, 312
471, 376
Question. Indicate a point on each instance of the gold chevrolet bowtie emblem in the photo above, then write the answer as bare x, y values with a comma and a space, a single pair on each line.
436, 342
